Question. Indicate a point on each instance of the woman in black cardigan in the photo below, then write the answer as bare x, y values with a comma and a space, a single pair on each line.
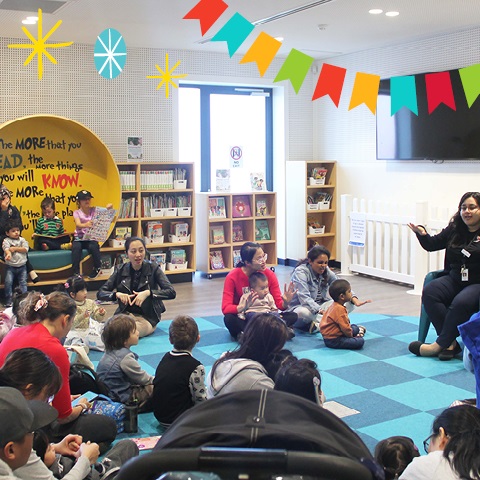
453, 298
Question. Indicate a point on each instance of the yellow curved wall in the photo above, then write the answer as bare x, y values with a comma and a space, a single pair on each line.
44, 155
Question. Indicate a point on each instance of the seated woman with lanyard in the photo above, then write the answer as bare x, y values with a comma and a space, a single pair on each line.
139, 286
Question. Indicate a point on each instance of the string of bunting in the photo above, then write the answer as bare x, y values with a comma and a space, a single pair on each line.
331, 78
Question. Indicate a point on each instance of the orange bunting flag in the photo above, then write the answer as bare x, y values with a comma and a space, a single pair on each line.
208, 12
365, 90
439, 90
262, 52
330, 82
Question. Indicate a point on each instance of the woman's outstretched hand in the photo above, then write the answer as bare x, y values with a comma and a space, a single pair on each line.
288, 293
417, 229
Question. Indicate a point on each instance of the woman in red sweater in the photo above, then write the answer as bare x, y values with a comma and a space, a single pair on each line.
48, 319
253, 259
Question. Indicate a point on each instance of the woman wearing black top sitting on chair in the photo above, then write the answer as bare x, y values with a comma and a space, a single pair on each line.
453, 298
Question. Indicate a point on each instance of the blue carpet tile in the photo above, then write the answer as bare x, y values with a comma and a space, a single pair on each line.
395, 392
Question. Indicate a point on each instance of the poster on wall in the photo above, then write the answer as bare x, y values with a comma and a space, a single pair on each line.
135, 148
358, 224
222, 180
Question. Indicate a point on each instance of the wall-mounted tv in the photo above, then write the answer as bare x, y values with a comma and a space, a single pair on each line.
445, 134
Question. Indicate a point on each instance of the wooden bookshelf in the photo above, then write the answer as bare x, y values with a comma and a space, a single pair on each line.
248, 217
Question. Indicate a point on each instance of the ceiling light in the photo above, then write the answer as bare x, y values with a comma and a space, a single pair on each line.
28, 21
279, 39
392, 14
375, 11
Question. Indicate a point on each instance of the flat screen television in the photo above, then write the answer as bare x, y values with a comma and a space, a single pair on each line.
445, 134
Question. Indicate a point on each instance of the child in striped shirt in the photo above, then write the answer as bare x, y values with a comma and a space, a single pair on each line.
49, 231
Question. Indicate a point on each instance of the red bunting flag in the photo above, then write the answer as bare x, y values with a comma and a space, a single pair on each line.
439, 90
208, 12
330, 82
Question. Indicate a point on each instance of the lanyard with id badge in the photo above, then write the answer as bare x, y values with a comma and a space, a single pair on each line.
464, 269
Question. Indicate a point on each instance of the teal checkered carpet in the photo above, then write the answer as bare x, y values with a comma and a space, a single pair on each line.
394, 392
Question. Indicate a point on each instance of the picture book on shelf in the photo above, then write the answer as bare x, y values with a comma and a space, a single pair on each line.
217, 207
216, 260
154, 232
160, 258
177, 256
217, 234
261, 210
262, 231
236, 258
237, 232
122, 233
105, 262
179, 229
257, 181
318, 173
241, 206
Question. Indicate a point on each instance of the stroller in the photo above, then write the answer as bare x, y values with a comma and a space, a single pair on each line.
263, 434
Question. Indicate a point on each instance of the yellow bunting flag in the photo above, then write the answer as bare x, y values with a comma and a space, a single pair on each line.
262, 52
365, 90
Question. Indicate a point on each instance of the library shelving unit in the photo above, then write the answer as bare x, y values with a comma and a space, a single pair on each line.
143, 188
225, 221
316, 198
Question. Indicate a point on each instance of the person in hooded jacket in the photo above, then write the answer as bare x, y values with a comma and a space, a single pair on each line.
245, 367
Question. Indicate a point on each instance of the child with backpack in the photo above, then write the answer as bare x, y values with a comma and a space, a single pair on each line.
119, 367
179, 382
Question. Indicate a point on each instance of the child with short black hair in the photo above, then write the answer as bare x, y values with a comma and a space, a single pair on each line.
302, 378
86, 329
335, 325
15, 248
49, 233
119, 368
179, 381
394, 454
262, 300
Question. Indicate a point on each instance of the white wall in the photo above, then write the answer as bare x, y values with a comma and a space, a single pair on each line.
349, 136
131, 105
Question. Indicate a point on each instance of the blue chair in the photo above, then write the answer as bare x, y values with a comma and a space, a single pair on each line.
424, 323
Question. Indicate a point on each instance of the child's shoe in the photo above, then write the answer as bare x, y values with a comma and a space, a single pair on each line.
95, 273
314, 327
44, 247
34, 276
362, 330
66, 246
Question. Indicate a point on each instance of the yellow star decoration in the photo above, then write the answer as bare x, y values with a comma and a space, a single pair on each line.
167, 75
39, 46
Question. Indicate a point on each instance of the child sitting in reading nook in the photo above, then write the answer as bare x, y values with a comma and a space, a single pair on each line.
119, 367
335, 325
179, 382
49, 232
83, 220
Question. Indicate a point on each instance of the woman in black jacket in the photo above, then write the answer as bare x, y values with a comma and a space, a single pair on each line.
452, 299
139, 286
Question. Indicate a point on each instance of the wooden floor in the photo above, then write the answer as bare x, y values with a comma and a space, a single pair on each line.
203, 296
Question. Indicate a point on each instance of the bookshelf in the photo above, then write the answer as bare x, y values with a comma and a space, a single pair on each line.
150, 196
316, 198
246, 217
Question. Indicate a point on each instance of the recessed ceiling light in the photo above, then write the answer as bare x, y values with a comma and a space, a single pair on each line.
392, 14
279, 39
28, 21
375, 11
